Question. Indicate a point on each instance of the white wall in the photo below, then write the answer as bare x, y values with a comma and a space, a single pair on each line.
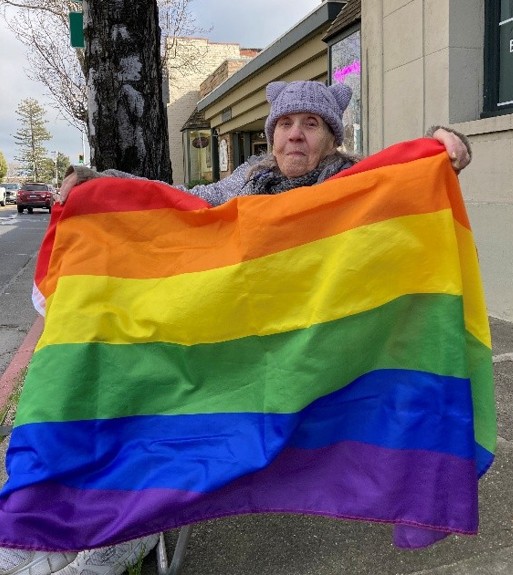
423, 65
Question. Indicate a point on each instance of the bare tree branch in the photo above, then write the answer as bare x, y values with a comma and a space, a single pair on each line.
43, 26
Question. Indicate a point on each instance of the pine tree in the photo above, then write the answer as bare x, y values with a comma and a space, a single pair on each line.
31, 136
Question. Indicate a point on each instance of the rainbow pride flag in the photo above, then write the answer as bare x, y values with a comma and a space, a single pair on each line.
322, 351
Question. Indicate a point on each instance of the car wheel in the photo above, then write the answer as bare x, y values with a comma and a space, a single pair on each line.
20, 209
30, 210
2, 203
50, 210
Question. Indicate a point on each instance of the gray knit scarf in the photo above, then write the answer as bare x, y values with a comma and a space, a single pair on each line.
265, 177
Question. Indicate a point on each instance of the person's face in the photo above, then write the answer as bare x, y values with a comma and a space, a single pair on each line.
301, 142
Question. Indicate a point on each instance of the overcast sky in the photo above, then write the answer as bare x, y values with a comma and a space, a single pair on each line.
249, 23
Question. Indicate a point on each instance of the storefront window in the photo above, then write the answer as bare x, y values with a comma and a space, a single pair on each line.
199, 157
345, 67
498, 96
258, 143
506, 54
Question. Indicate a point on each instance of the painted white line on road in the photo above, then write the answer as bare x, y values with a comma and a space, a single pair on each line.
8, 220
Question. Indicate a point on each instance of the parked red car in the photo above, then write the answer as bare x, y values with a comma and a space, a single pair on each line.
33, 195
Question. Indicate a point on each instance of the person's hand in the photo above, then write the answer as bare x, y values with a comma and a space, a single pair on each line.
67, 185
460, 158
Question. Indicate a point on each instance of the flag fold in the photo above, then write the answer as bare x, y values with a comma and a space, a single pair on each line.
322, 351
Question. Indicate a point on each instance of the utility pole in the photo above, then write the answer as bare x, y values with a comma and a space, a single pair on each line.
56, 168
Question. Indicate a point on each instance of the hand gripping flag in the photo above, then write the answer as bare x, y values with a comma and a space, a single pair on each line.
322, 351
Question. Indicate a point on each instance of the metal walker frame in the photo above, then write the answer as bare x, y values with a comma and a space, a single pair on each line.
163, 566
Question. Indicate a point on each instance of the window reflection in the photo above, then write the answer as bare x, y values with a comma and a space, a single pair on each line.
345, 67
506, 54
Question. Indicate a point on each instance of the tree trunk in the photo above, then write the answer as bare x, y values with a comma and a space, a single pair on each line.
127, 120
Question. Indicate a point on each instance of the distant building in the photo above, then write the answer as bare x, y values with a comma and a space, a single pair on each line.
191, 61
237, 108
199, 143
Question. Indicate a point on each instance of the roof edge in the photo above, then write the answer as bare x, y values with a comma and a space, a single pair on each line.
309, 25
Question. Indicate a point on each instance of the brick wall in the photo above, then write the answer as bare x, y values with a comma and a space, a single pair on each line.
220, 74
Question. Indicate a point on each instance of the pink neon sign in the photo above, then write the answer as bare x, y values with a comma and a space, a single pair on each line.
340, 74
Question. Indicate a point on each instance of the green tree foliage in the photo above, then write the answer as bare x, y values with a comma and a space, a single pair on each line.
63, 163
3, 166
53, 169
47, 171
30, 138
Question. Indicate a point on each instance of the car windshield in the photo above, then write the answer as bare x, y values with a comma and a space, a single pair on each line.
9, 186
36, 188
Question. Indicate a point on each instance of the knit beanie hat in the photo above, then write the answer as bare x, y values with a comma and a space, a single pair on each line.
328, 102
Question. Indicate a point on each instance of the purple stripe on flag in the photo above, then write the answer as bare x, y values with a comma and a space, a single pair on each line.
412, 488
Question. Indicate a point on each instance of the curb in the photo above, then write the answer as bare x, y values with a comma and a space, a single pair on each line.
20, 361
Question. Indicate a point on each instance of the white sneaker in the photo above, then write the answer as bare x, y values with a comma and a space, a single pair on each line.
22, 562
113, 560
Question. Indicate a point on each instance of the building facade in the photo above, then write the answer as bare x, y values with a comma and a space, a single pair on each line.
236, 109
412, 64
450, 62
190, 61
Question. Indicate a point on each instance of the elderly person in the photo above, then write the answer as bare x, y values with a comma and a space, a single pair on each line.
305, 129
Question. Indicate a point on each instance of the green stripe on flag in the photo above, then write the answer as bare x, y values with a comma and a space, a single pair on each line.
420, 332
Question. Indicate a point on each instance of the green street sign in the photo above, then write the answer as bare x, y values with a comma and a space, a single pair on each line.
76, 29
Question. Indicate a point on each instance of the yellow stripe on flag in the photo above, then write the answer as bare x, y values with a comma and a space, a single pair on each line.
353, 272
475, 313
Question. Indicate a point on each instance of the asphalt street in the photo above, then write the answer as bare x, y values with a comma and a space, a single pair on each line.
301, 545
20, 237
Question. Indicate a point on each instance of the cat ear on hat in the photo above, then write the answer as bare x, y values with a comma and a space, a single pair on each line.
342, 94
273, 90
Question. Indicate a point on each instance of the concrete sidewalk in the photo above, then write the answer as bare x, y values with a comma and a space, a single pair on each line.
301, 545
